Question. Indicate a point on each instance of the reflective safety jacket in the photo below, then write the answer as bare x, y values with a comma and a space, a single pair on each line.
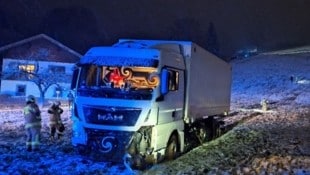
32, 115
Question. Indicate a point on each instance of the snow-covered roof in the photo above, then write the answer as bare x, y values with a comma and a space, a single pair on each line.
69, 55
114, 56
150, 43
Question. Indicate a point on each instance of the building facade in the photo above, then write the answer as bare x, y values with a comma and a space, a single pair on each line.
38, 65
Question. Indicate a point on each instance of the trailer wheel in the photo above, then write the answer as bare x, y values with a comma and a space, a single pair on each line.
172, 148
204, 134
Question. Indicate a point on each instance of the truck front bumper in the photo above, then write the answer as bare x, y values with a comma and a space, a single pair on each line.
107, 145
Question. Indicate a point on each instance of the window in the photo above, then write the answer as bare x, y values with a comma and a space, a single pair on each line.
173, 80
20, 90
30, 68
56, 69
12, 66
119, 77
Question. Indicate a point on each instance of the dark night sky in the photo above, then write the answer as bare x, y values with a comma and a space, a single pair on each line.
267, 24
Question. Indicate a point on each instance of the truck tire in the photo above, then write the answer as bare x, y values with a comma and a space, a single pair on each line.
204, 134
172, 148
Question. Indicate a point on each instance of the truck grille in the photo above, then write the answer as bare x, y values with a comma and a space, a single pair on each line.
115, 116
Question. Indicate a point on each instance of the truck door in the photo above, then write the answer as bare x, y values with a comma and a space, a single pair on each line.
171, 106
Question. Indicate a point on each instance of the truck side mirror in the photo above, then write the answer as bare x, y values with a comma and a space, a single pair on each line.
164, 83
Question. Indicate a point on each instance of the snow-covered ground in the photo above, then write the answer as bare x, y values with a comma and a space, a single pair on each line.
276, 141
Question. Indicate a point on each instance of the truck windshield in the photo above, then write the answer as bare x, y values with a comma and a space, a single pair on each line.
117, 82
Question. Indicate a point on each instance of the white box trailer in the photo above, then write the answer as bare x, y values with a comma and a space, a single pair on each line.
209, 87
140, 101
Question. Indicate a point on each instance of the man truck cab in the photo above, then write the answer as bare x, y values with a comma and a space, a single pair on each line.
140, 101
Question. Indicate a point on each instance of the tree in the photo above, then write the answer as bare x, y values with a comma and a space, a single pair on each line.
29, 69
212, 42
42, 80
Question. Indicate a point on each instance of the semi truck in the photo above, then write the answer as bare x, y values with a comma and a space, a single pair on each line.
144, 101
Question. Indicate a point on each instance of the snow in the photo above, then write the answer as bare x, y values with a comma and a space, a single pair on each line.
281, 79
116, 56
269, 76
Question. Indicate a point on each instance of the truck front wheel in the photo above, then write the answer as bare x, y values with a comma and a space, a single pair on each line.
172, 148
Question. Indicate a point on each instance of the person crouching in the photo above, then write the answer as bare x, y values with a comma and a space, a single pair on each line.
55, 122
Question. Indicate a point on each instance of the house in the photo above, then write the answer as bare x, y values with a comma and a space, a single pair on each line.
38, 61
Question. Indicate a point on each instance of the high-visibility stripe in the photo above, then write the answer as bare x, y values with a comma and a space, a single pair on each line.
33, 144
58, 132
55, 122
36, 143
33, 125
26, 110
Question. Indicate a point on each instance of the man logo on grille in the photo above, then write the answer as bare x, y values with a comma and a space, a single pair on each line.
110, 117
108, 143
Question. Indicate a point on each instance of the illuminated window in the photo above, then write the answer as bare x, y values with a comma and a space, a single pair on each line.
30, 68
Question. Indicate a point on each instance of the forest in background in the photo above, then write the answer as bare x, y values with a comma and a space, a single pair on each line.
83, 24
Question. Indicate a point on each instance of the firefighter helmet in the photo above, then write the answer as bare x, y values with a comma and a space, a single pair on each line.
30, 98
57, 103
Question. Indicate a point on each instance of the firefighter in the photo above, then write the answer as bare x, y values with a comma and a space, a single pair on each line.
32, 116
55, 122
70, 99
